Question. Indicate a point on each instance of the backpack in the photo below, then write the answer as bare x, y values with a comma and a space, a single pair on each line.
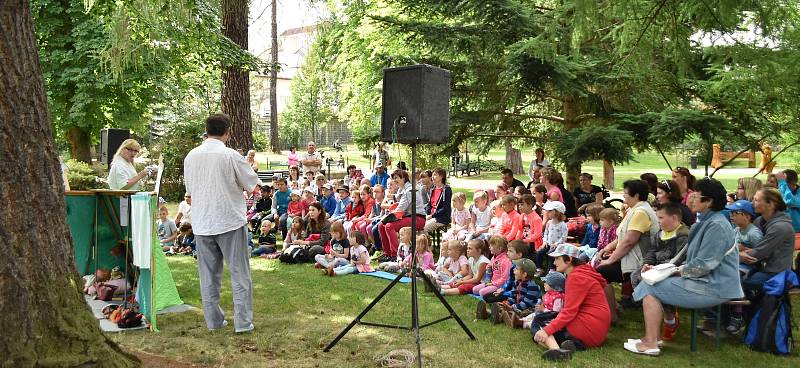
770, 330
294, 254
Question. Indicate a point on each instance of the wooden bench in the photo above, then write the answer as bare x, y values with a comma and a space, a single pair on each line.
269, 175
468, 168
721, 156
271, 164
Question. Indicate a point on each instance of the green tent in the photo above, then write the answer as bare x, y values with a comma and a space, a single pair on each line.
101, 234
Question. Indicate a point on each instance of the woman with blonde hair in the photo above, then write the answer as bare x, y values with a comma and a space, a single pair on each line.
251, 160
122, 174
747, 187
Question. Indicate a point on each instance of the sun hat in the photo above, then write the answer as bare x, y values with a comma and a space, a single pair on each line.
565, 249
554, 205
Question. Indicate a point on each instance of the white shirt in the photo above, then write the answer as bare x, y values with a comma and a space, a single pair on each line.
121, 171
186, 210
311, 156
215, 177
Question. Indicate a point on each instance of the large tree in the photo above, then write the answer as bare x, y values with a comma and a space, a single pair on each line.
274, 139
236, 76
45, 319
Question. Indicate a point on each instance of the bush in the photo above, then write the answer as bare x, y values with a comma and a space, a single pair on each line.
178, 139
82, 176
260, 142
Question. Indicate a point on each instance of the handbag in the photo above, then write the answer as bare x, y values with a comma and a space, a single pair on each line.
660, 272
104, 292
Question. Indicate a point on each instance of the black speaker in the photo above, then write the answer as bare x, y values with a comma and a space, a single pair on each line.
110, 140
416, 105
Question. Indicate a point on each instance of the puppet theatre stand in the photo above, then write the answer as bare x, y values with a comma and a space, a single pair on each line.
113, 228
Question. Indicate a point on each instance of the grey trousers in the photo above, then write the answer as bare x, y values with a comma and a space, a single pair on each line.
211, 250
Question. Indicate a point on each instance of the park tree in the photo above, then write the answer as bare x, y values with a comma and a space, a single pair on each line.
274, 138
45, 319
236, 75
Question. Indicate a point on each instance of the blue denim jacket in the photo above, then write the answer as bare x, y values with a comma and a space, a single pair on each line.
710, 268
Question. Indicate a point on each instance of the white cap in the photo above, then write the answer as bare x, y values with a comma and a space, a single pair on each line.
554, 205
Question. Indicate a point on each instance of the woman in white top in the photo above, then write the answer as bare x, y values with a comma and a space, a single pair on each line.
538, 161
122, 174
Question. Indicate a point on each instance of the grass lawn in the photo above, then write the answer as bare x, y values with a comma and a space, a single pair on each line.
298, 311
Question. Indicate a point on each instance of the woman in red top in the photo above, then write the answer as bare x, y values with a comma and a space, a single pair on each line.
585, 318
439, 208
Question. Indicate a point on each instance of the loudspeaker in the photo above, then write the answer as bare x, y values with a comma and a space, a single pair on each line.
416, 105
110, 140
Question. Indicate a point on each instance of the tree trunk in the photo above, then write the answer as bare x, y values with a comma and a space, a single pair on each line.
513, 158
45, 319
235, 79
608, 174
79, 144
573, 172
275, 142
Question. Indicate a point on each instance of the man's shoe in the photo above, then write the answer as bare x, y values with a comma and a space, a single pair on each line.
557, 355
246, 329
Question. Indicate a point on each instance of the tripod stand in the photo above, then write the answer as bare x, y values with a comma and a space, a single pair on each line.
413, 273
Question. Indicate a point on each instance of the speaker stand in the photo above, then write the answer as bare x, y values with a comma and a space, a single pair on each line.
414, 272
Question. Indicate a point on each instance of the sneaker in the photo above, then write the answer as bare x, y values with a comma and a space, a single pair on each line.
735, 325
557, 355
480, 310
511, 319
246, 329
224, 324
317, 265
495, 314
569, 345
668, 331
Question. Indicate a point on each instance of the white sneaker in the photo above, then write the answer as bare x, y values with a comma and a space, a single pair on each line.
224, 324
246, 329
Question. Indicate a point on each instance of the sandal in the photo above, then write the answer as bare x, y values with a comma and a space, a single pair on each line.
632, 346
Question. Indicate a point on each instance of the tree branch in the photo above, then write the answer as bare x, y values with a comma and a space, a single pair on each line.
557, 119
734, 157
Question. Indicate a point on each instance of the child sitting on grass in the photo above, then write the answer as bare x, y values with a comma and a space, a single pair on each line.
359, 257
423, 254
185, 242
524, 295
404, 238
340, 250
296, 232
296, 209
167, 231
552, 301
517, 249
460, 218
267, 244
510, 225
500, 264
456, 266
476, 249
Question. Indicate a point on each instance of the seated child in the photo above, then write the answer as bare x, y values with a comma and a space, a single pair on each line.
423, 254
185, 242
267, 243
296, 208
553, 299
460, 218
524, 295
476, 249
510, 225
592, 226
480, 217
296, 232
746, 237
340, 250
456, 266
516, 249
532, 229
500, 264
359, 257
167, 231
261, 209
555, 233
404, 238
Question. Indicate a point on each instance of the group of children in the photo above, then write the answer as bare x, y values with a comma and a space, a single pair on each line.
174, 239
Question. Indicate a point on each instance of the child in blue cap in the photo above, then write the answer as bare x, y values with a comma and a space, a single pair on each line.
747, 236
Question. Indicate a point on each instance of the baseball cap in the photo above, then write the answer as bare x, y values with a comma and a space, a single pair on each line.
556, 280
309, 189
328, 187
297, 192
743, 206
554, 205
526, 265
566, 249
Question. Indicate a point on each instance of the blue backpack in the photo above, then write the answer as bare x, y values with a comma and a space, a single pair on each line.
770, 330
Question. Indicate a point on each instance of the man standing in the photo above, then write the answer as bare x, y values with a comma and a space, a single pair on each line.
311, 160
380, 156
215, 177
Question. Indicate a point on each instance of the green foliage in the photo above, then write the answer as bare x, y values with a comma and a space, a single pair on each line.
180, 137
82, 176
595, 142
260, 141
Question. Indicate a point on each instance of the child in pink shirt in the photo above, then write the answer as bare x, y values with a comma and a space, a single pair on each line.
500, 265
424, 256
532, 227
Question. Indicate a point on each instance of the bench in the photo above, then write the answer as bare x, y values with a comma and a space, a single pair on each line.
269, 175
717, 326
271, 164
721, 156
468, 168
